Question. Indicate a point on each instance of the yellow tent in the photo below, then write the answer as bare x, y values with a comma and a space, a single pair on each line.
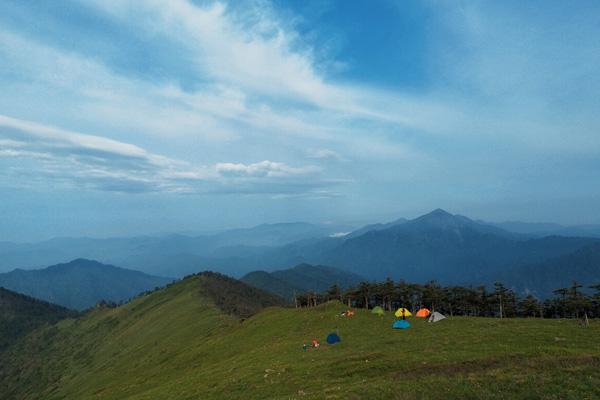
401, 311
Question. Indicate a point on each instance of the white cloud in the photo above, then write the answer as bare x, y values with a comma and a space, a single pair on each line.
256, 85
258, 57
263, 169
45, 137
258, 94
324, 154
88, 161
339, 234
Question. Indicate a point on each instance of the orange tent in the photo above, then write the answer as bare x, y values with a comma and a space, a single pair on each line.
423, 313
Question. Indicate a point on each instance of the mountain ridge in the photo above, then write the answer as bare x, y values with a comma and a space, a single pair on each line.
301, 278
80, 283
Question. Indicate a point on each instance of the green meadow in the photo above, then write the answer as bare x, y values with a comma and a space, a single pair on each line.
176, 344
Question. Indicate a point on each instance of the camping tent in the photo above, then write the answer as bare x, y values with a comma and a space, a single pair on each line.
401, 311
423, 313
377, 310
436, 317
333, 338
401, 324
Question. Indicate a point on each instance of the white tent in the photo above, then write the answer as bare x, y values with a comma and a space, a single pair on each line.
436, 317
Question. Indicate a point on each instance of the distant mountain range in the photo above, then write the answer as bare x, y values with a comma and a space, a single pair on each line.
81, 283
441, 246
548, 229
171, 255
375, 227
540, 279
451, 249
302, 278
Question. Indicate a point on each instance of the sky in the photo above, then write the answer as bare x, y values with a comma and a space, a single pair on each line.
133, 117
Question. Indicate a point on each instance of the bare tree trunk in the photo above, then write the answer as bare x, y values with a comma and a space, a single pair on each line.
295, 299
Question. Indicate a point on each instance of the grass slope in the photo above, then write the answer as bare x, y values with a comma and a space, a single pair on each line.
176, 344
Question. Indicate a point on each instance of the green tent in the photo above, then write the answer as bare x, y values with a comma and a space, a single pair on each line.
378, 311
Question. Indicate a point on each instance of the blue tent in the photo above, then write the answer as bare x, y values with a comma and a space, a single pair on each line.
401, 324
333, 338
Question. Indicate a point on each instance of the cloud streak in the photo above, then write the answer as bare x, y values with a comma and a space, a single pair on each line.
89, 161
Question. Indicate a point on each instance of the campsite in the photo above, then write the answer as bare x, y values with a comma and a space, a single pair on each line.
174, 343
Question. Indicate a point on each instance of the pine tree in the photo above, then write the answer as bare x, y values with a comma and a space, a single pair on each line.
500, 292
529, 306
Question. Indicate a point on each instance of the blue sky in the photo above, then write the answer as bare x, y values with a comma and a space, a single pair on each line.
129, 117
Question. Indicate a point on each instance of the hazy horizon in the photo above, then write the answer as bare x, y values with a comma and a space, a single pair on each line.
348, 225
121, 118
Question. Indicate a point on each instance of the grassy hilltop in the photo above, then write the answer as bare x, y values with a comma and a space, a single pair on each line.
179, 343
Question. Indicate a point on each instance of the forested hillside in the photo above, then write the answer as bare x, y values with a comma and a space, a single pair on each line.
20, 314
81, 283
302, 278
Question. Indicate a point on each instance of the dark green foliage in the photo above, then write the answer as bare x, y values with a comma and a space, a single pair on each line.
316, 278
20, 314
459, 300
80, 283
266, 281
235, 297
530, 307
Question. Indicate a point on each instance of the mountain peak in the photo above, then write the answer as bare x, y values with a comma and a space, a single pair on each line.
436, 215
439, 218
438, 212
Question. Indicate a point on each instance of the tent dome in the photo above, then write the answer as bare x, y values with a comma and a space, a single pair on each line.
377, 310
402, 311
423, 313
333, 338
401, 324
436, 317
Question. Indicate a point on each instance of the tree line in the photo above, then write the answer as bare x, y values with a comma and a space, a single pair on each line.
569, 302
